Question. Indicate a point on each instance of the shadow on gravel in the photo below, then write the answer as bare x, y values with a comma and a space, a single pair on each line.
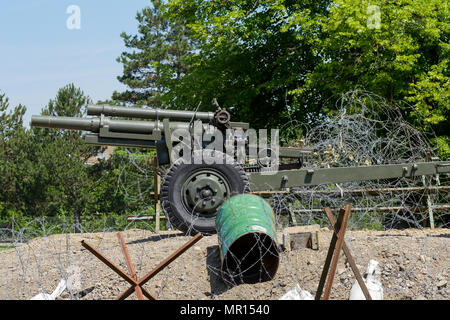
213, 265
85, 292
443, 235
158, 237
402, 235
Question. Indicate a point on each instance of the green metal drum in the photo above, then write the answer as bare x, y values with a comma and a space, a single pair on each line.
247, 239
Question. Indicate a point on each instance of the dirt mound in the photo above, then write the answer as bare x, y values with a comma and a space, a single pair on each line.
414, 265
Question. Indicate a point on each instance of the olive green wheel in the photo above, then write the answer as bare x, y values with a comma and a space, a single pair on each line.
191, 194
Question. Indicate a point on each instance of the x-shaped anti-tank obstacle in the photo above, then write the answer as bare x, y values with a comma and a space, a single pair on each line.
137, 285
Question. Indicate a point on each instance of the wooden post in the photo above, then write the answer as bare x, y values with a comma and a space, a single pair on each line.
428, 181
337, 251
349, 256
336, 245
157, 189
430, 211
291, 215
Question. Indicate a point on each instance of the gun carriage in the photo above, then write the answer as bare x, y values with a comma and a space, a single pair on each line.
192, 193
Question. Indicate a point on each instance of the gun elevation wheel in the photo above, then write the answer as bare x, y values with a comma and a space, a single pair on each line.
191, 194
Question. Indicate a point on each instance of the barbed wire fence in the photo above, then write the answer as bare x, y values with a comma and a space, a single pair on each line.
367, 131
414, 260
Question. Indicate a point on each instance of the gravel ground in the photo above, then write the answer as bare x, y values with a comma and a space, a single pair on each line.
414, 264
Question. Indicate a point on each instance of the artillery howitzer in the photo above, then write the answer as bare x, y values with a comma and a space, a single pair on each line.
192, 193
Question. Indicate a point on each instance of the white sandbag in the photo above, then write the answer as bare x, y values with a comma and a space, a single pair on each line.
297, 293
55, 294
372, 282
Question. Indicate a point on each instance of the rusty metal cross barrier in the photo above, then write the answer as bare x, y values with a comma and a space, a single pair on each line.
336, 245
137, 285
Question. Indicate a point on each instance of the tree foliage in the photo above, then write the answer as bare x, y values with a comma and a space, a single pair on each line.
13, 167
293, 60
155, 58
247, 60
44, 172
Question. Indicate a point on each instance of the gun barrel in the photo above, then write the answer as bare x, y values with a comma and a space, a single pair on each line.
66, 123
146, 113
95, 124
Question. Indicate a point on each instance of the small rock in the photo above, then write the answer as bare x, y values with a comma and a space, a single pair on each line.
340, 271
441, 284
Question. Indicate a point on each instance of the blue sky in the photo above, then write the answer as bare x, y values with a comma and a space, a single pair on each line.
39, 54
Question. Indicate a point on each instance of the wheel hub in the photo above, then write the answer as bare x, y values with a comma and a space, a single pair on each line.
204, 191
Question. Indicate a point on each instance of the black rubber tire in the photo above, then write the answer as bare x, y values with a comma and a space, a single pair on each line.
171, 195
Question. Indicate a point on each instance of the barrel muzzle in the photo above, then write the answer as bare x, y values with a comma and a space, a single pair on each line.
71, 123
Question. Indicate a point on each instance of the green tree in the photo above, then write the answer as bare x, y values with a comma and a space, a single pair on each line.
155, 59
64, 179
123, 183
294, 60
44, 172
404, 58
14, 169
249, 60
